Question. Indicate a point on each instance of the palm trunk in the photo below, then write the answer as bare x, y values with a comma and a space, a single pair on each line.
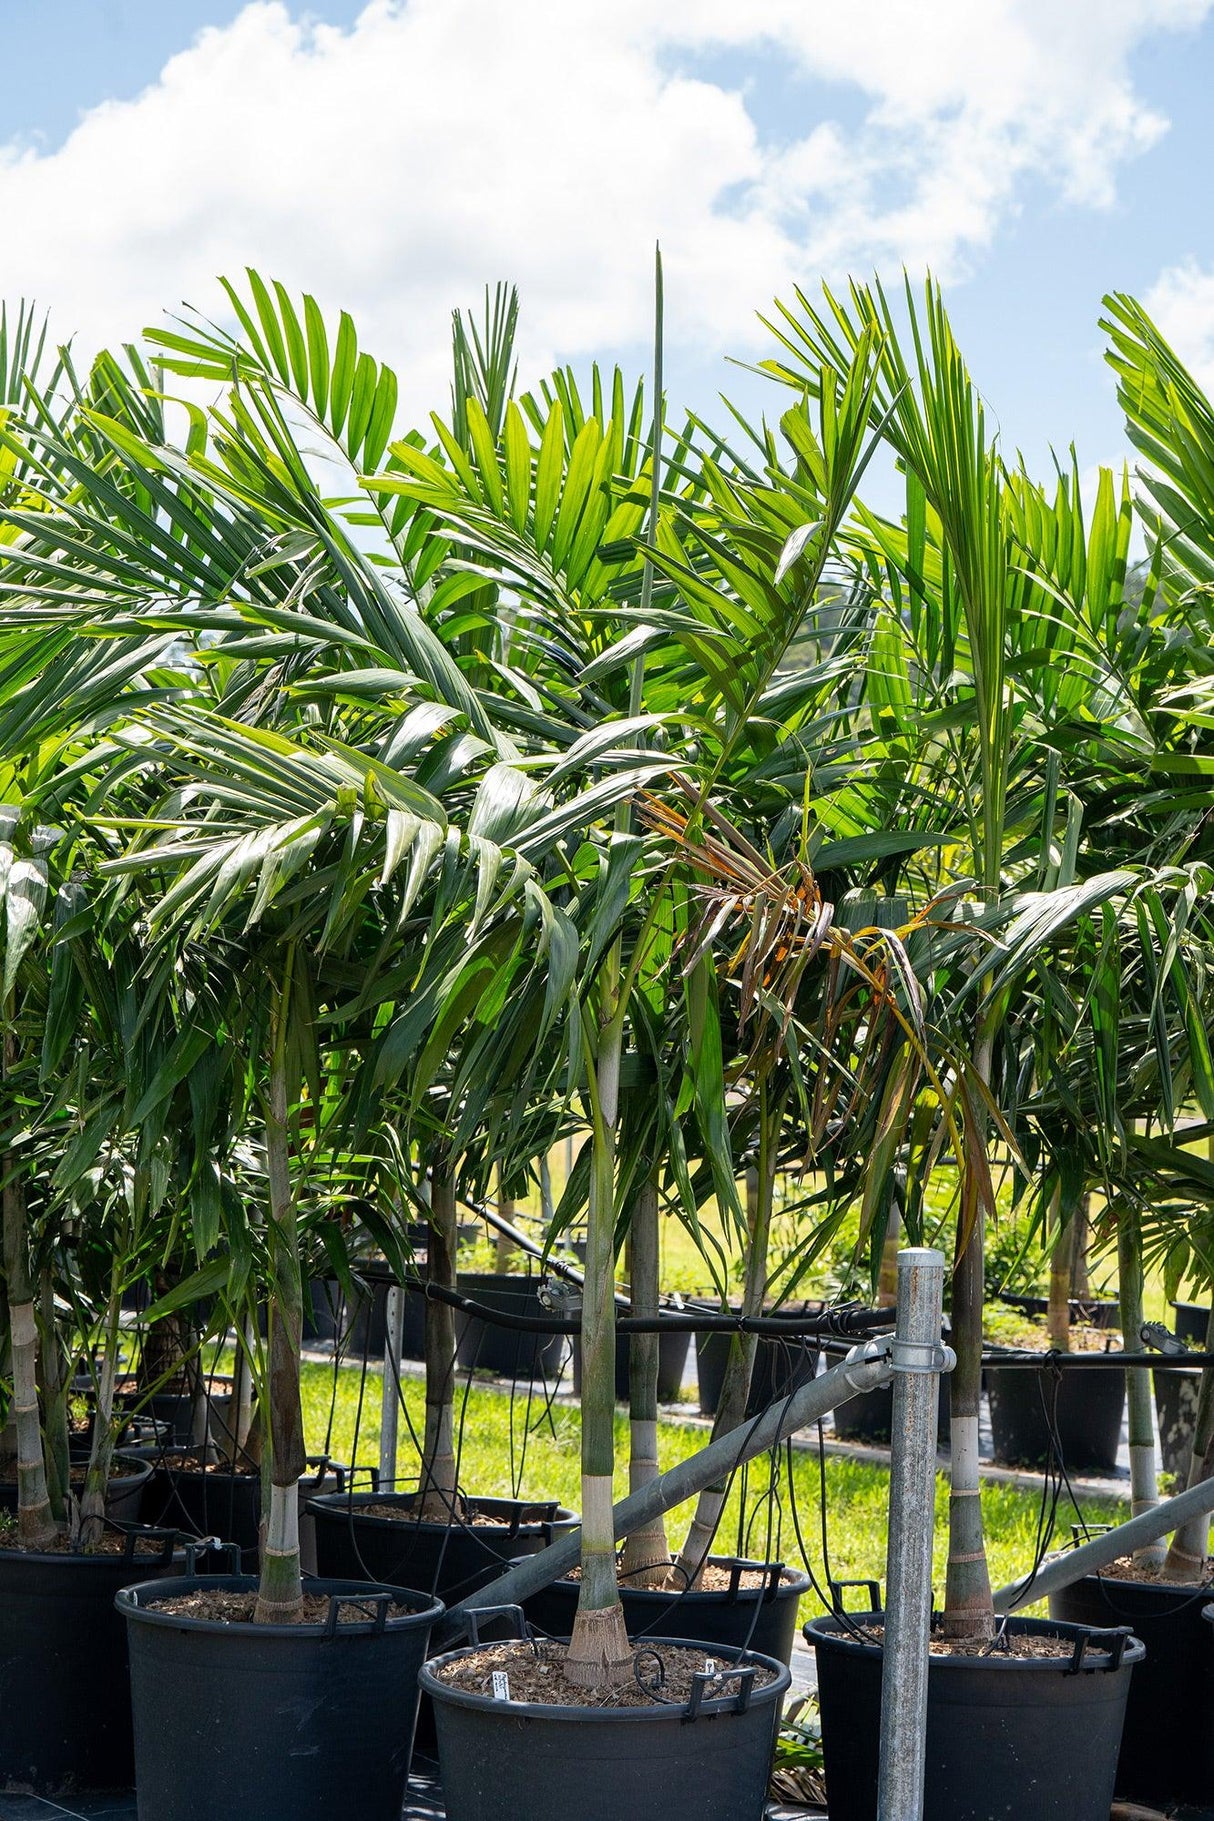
438, 1465
280, 1593
53, 1396
101, 1453
739, 1371
504, 1247
239, 1428
35, 1521
599, 1652
968, 1608
1058, 1318
1080, 1283
166, 1350
646, 1559
1186, 1558
1143, 1490
887, 1282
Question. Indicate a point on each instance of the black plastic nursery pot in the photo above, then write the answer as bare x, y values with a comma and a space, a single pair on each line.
781, 1367
449, 1559
1008, 1738
1190, 1322
1176, 1395
738, 1617
672, 1359
503, 1760
174, 1406
323, 1307
1087, 1413
506, 1352
1095, 1311
188, 1494
124, 1492
1167, 1747
302, 1721
65, 1711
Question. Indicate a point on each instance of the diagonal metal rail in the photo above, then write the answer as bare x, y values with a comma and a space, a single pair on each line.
1123, 1539
866, 1368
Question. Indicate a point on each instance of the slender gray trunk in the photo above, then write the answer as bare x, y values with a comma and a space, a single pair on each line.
53, 1397
504, 1248
1143, 1487
599, 1651
438, 1476
739, 1371
35, 1520
1058, 1318
101, 1453
1080, 1282
280, 1593
968, 1610
887, 1283
646, 1559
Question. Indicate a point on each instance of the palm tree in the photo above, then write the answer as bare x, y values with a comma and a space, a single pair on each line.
965, 617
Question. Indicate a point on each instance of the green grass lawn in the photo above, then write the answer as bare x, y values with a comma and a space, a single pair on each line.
510, 1449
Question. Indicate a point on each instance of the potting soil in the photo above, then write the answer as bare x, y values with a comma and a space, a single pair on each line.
663, 1675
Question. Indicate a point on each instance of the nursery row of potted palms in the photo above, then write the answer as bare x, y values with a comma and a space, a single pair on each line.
378, 816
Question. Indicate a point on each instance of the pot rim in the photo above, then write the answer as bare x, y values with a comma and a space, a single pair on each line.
833, 1634
52, 1556
796, 1583
351, 1503
140, 1469
1192, 1589
212, 1471
424, 1609
595, 1716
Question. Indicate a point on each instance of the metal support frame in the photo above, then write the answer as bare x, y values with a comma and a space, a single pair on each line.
389, 1407
918, 1358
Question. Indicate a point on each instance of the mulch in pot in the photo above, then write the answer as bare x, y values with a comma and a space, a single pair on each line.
663, 1675
219, 1607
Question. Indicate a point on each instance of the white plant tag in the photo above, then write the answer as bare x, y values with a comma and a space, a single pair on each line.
501, 1685
710, 1666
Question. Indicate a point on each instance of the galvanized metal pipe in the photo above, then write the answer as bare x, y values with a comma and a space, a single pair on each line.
389, 1406
918, 1358
818, 1398
1121, 1540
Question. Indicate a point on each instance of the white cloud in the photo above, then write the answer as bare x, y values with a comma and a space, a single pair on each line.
394, 167
1181, 302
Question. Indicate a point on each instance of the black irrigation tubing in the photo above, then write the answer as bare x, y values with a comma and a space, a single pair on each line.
846, 1323
1077, 1362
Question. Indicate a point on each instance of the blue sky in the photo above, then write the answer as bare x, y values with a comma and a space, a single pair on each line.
1035, 156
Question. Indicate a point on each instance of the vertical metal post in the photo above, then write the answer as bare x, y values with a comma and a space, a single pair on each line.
918, 1359
389, 1409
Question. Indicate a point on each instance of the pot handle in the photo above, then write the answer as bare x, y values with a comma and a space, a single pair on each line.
196, 1546
167, 1540
323, 1464
771, 1572
375, 1605
873, 1589
470, 1621
703, 1679
1080, 1533
1112, 1637
352, 1474
552, 1528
